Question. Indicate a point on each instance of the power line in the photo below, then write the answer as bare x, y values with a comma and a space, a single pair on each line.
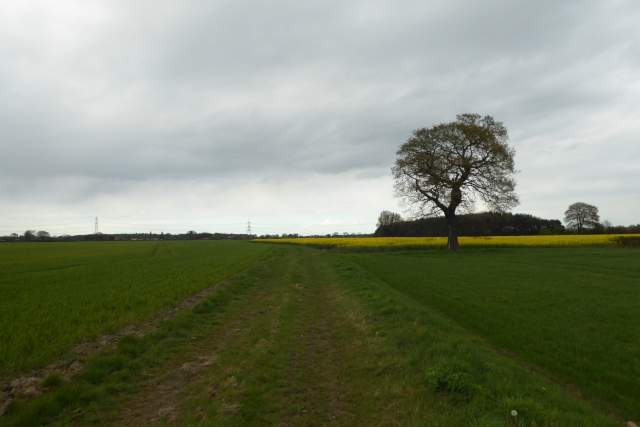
173, 224
165, 224
83, 227
114, 226
218, 226
56, 225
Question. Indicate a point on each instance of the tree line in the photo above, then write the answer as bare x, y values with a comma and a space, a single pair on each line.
44, 236
492, 224
478, 224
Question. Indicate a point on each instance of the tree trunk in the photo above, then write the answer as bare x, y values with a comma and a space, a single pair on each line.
452, 243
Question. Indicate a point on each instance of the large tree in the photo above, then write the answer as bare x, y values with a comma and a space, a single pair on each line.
580, 215
453, 165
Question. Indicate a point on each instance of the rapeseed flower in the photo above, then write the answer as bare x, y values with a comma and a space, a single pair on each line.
468, 241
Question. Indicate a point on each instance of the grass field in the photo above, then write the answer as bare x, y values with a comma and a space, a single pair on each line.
572, 312
305, 337
53, 295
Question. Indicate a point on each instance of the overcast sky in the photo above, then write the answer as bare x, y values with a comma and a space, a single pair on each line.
171, 116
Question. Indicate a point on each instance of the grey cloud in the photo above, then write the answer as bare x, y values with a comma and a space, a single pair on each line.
136, 91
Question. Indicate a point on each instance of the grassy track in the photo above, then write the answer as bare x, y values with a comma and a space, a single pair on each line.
306, 338
573, 312
52, 295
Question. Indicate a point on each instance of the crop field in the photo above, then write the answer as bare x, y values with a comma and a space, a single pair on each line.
399, 243
531, 336
54, 295
570, 312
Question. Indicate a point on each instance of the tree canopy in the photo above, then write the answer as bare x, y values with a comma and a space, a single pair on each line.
453, 165
475, 224
43, 235
388, 218
28, 235
580, 215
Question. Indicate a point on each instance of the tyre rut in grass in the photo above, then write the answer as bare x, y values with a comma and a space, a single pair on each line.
309, 338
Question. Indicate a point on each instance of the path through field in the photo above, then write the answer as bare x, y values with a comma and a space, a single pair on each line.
290, 354
305, 338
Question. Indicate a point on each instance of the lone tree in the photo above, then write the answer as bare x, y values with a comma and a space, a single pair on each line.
453, 165
580, 215
388, 218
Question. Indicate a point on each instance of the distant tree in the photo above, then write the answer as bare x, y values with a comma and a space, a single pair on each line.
42, 235
14, 236
28, 235
559, 229
452, 165
388, 218
544, 231
581, 215
598, 228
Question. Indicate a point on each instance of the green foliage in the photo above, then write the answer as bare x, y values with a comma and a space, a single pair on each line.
626, 241
580, 215
54, 295
570, 312
474, 224
453, 165
387, 218
544, 231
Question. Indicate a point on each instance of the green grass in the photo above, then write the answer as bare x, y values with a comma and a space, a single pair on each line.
110, 378
457, 378
307, 338
303, 337
53, 295
570, 313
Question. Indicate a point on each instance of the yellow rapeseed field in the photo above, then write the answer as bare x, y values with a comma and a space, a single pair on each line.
408, 242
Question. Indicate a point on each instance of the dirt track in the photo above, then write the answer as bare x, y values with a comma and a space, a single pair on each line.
287, 355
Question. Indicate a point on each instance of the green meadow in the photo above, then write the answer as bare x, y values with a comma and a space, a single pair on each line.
569, 313
53, 295
297, 336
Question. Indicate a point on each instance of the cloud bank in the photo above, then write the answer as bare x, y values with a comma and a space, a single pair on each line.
290, 113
